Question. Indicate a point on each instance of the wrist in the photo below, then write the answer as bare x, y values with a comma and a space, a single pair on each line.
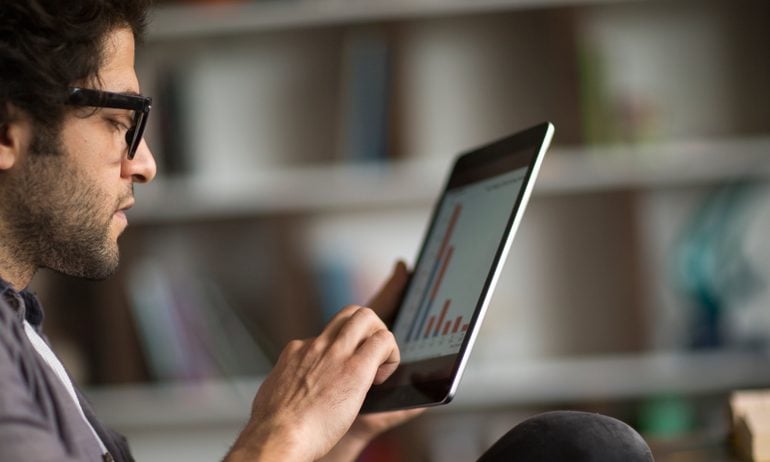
257, 443
347, 449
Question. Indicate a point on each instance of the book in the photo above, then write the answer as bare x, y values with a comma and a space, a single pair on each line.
750, 412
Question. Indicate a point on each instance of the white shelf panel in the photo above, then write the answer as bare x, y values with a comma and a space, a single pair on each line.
193, 21
287, 190
611, 378
656, 165
551, 381
417, 182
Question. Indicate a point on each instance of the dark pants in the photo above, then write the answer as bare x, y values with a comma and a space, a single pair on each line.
570, 436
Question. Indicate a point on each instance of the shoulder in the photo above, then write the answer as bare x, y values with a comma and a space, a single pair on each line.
36, 421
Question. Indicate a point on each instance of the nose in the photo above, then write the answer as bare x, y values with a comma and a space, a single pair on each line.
142, 168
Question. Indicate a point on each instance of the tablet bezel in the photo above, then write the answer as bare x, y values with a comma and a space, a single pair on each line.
522, 149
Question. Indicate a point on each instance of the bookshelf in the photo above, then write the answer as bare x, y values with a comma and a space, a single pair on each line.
639, 151
657, 105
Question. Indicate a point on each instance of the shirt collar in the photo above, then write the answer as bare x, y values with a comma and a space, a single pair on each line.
24, 303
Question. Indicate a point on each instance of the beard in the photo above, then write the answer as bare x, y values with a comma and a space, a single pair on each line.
57, 217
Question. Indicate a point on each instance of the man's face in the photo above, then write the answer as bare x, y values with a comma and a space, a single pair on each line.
70, 191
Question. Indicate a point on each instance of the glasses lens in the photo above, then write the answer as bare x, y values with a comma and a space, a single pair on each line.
134, 134
130, 142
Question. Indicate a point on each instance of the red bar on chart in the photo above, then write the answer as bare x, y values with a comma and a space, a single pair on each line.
465, 328
457, 324
450, 229
446, 327
441, 273
440, 261
430, 324
441, 318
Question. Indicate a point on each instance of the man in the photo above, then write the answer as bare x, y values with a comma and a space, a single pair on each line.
71, 149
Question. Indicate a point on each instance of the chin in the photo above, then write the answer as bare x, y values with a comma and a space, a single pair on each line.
94, 266
98, 272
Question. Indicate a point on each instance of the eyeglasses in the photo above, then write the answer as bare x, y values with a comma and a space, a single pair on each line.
141, 106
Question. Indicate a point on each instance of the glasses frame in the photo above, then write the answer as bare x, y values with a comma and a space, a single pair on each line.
141, 106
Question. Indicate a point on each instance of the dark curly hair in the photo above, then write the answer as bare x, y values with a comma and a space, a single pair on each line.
48, 45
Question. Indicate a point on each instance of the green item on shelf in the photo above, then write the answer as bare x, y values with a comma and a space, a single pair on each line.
666, 416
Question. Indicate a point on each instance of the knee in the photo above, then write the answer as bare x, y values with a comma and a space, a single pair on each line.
570, 436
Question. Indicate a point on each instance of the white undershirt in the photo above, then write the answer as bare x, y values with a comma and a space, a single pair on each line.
53, 362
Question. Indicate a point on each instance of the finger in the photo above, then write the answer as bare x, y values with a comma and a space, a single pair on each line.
395, 417
331, 331
358, 327
388, 297
371, 425
381, 353
409, 413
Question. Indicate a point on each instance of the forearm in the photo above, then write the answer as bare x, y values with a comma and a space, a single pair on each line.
258, 454
347, 450
259, 444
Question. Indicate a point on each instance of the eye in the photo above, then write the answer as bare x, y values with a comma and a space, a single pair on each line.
118, 124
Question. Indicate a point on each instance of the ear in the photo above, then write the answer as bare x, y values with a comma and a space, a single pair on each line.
14, 136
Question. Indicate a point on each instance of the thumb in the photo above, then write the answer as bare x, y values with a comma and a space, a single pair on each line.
386, 301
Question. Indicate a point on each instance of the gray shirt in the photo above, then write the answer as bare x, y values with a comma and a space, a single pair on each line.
39, 422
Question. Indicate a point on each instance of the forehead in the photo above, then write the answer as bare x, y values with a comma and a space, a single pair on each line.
117, 72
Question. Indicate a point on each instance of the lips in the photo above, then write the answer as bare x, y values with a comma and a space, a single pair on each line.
124, 208
127, 205
120, 213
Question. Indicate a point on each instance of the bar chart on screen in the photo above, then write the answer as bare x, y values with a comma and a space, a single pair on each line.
445, 290
436, 321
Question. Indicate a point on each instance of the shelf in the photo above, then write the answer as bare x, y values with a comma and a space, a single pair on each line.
194, 21
342, 187
288, 189
655, 165
611, 378
552, 381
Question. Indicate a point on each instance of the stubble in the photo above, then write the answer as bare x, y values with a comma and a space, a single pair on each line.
56, 217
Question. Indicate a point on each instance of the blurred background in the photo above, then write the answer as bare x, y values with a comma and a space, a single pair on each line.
301, 144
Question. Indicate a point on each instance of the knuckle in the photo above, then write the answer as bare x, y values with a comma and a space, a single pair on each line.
316, 347
337, 349
294, 345
366, 311
385, 336
368, 315
290, 351
349, 309
346, 311
356, 363
387, 341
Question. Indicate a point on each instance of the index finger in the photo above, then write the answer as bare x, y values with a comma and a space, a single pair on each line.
381, 351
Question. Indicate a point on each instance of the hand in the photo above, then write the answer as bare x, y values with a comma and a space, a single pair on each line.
368, 426
310, 399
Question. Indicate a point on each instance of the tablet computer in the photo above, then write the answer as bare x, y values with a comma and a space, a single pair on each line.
460, 260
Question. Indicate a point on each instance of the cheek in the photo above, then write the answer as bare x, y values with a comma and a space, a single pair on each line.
94, 153
92, 142
76, 133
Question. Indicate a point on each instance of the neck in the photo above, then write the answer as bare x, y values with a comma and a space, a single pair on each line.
17, 266
18, 275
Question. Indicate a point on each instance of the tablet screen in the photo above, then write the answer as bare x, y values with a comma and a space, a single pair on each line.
459, 262
443, 295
